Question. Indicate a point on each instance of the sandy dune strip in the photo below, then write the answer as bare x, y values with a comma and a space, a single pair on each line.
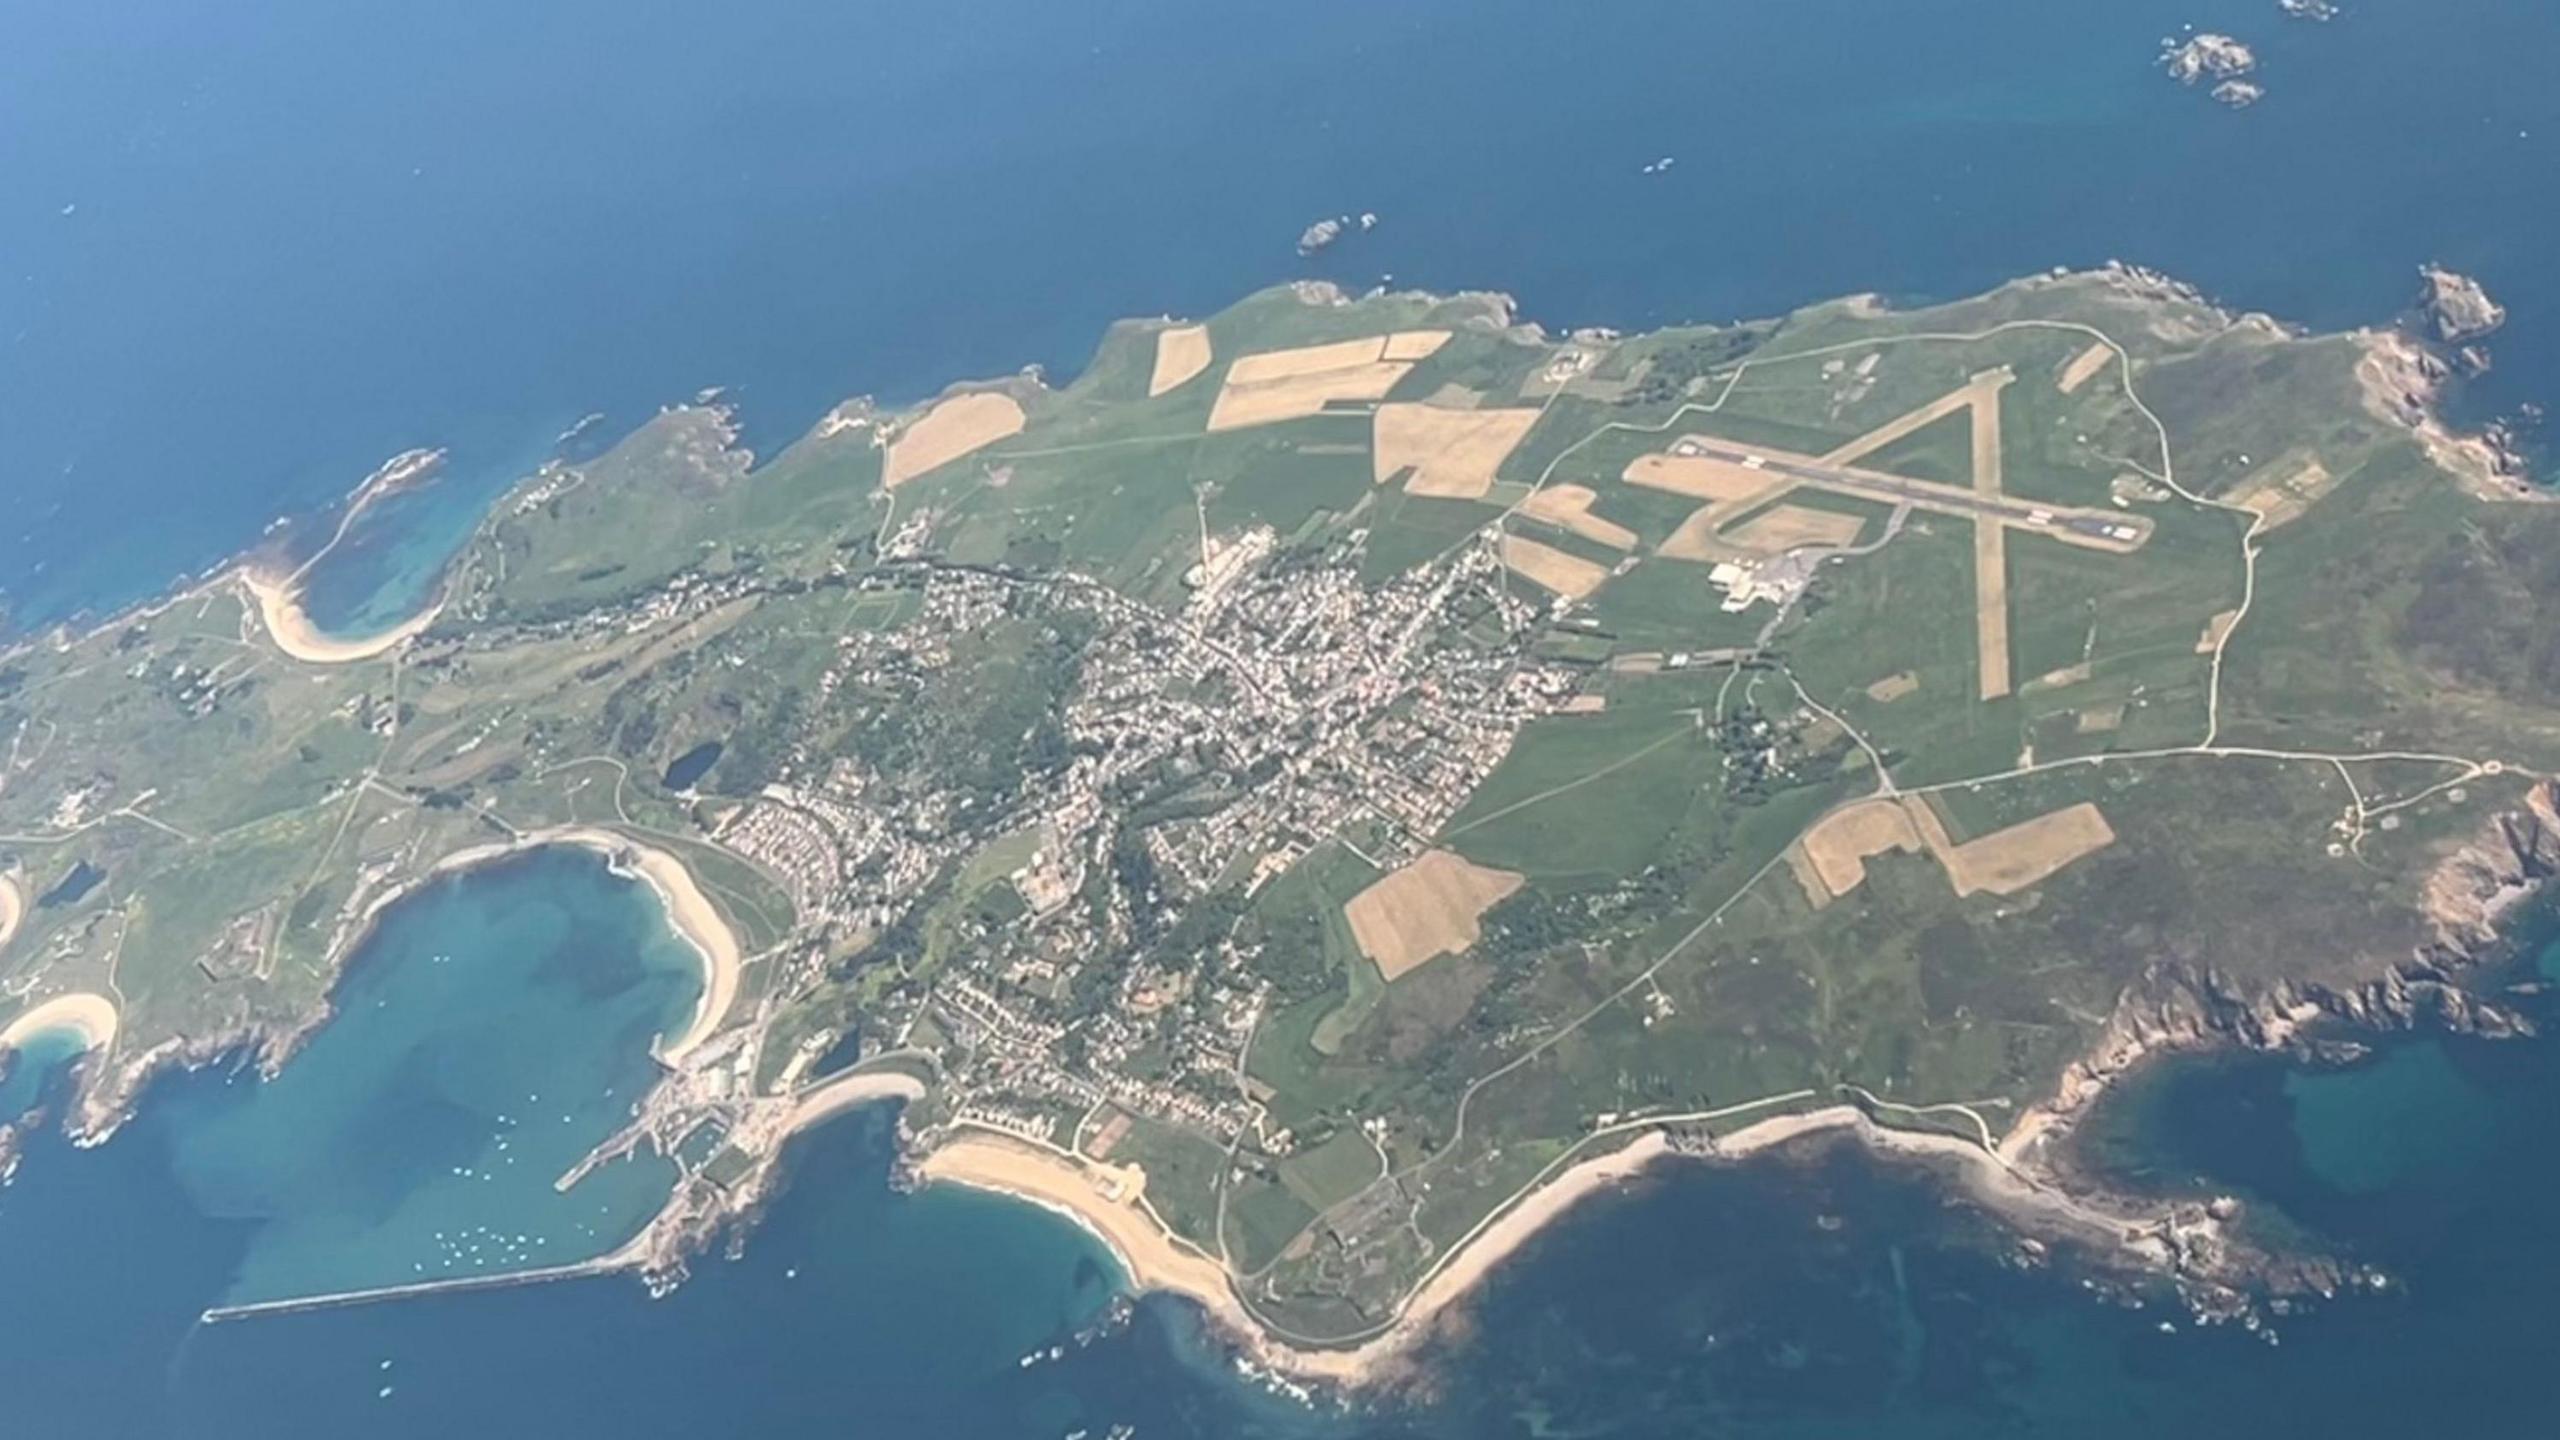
89, 1015
279, 603
1182, 352
953, 428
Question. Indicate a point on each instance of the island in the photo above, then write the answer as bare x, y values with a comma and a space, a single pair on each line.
2218, 58
1342, 779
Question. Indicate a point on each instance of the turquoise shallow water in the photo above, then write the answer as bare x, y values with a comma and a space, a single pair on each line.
1825, 1296
244, 270
494, 1030
35, 1070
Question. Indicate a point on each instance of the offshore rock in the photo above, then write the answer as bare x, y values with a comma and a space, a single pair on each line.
2458, 306
2207, 57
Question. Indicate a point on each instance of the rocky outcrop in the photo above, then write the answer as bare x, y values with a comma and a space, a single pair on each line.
2458, 306
2468, 899
1322, 234
108, 1093
2469, 896
2207, 57
2402, 379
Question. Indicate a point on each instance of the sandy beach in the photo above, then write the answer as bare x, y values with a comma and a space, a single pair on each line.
830, 1098
1050, 1179
689, 911
279, 605
1154, 1260
91, 1016
694, 917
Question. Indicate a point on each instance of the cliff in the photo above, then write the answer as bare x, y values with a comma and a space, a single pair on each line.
2468, 899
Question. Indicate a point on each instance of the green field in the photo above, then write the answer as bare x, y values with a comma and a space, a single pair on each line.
919, 693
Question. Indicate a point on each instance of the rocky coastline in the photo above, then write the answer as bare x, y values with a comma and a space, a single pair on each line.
2472, 901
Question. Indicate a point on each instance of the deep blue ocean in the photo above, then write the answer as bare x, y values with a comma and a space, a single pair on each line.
249, 253
246, 255
1813, 1295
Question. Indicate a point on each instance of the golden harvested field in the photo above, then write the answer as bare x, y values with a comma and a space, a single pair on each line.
2005, 862
1430, 907
1238, 407
2083, 366
1728, 488
1838, 845
1808, 878
1414, 344
1569, 506
1273, 365
1564, 573
1832, 857
1281, 385
1695, 539
1701, 478
1784, 527
946, 432
1893, 687
1182, 351
1453, 453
